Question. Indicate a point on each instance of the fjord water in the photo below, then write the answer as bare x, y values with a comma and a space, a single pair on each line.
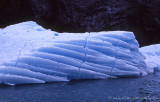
110, 90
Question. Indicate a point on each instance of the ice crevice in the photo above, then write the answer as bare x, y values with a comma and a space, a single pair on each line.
85, 45
19, 54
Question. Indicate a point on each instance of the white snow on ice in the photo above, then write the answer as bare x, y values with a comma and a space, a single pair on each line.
32, 54
152, 54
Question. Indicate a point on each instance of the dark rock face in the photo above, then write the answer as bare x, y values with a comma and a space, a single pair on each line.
140, 16
13, 11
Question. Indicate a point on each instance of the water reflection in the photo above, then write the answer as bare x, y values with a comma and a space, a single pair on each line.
84, 90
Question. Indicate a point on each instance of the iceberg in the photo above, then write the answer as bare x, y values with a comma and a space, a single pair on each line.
31, 54
152, 54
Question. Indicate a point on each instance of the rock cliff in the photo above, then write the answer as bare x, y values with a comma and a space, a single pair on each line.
140, 16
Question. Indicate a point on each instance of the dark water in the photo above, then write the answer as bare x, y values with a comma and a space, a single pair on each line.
144, 89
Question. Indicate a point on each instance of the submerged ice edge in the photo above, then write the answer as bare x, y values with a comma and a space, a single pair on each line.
50, 57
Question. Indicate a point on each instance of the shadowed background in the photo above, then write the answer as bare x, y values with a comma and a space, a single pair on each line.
140, 16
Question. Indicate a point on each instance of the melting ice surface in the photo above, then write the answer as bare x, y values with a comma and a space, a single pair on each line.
32, 54
152, 54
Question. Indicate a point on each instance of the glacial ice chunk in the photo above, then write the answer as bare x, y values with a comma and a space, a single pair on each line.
32, 54
152, 55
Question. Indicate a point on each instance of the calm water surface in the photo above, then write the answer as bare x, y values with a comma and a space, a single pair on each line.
144, 89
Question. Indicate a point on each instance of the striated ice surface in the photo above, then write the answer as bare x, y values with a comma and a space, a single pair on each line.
32, 54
